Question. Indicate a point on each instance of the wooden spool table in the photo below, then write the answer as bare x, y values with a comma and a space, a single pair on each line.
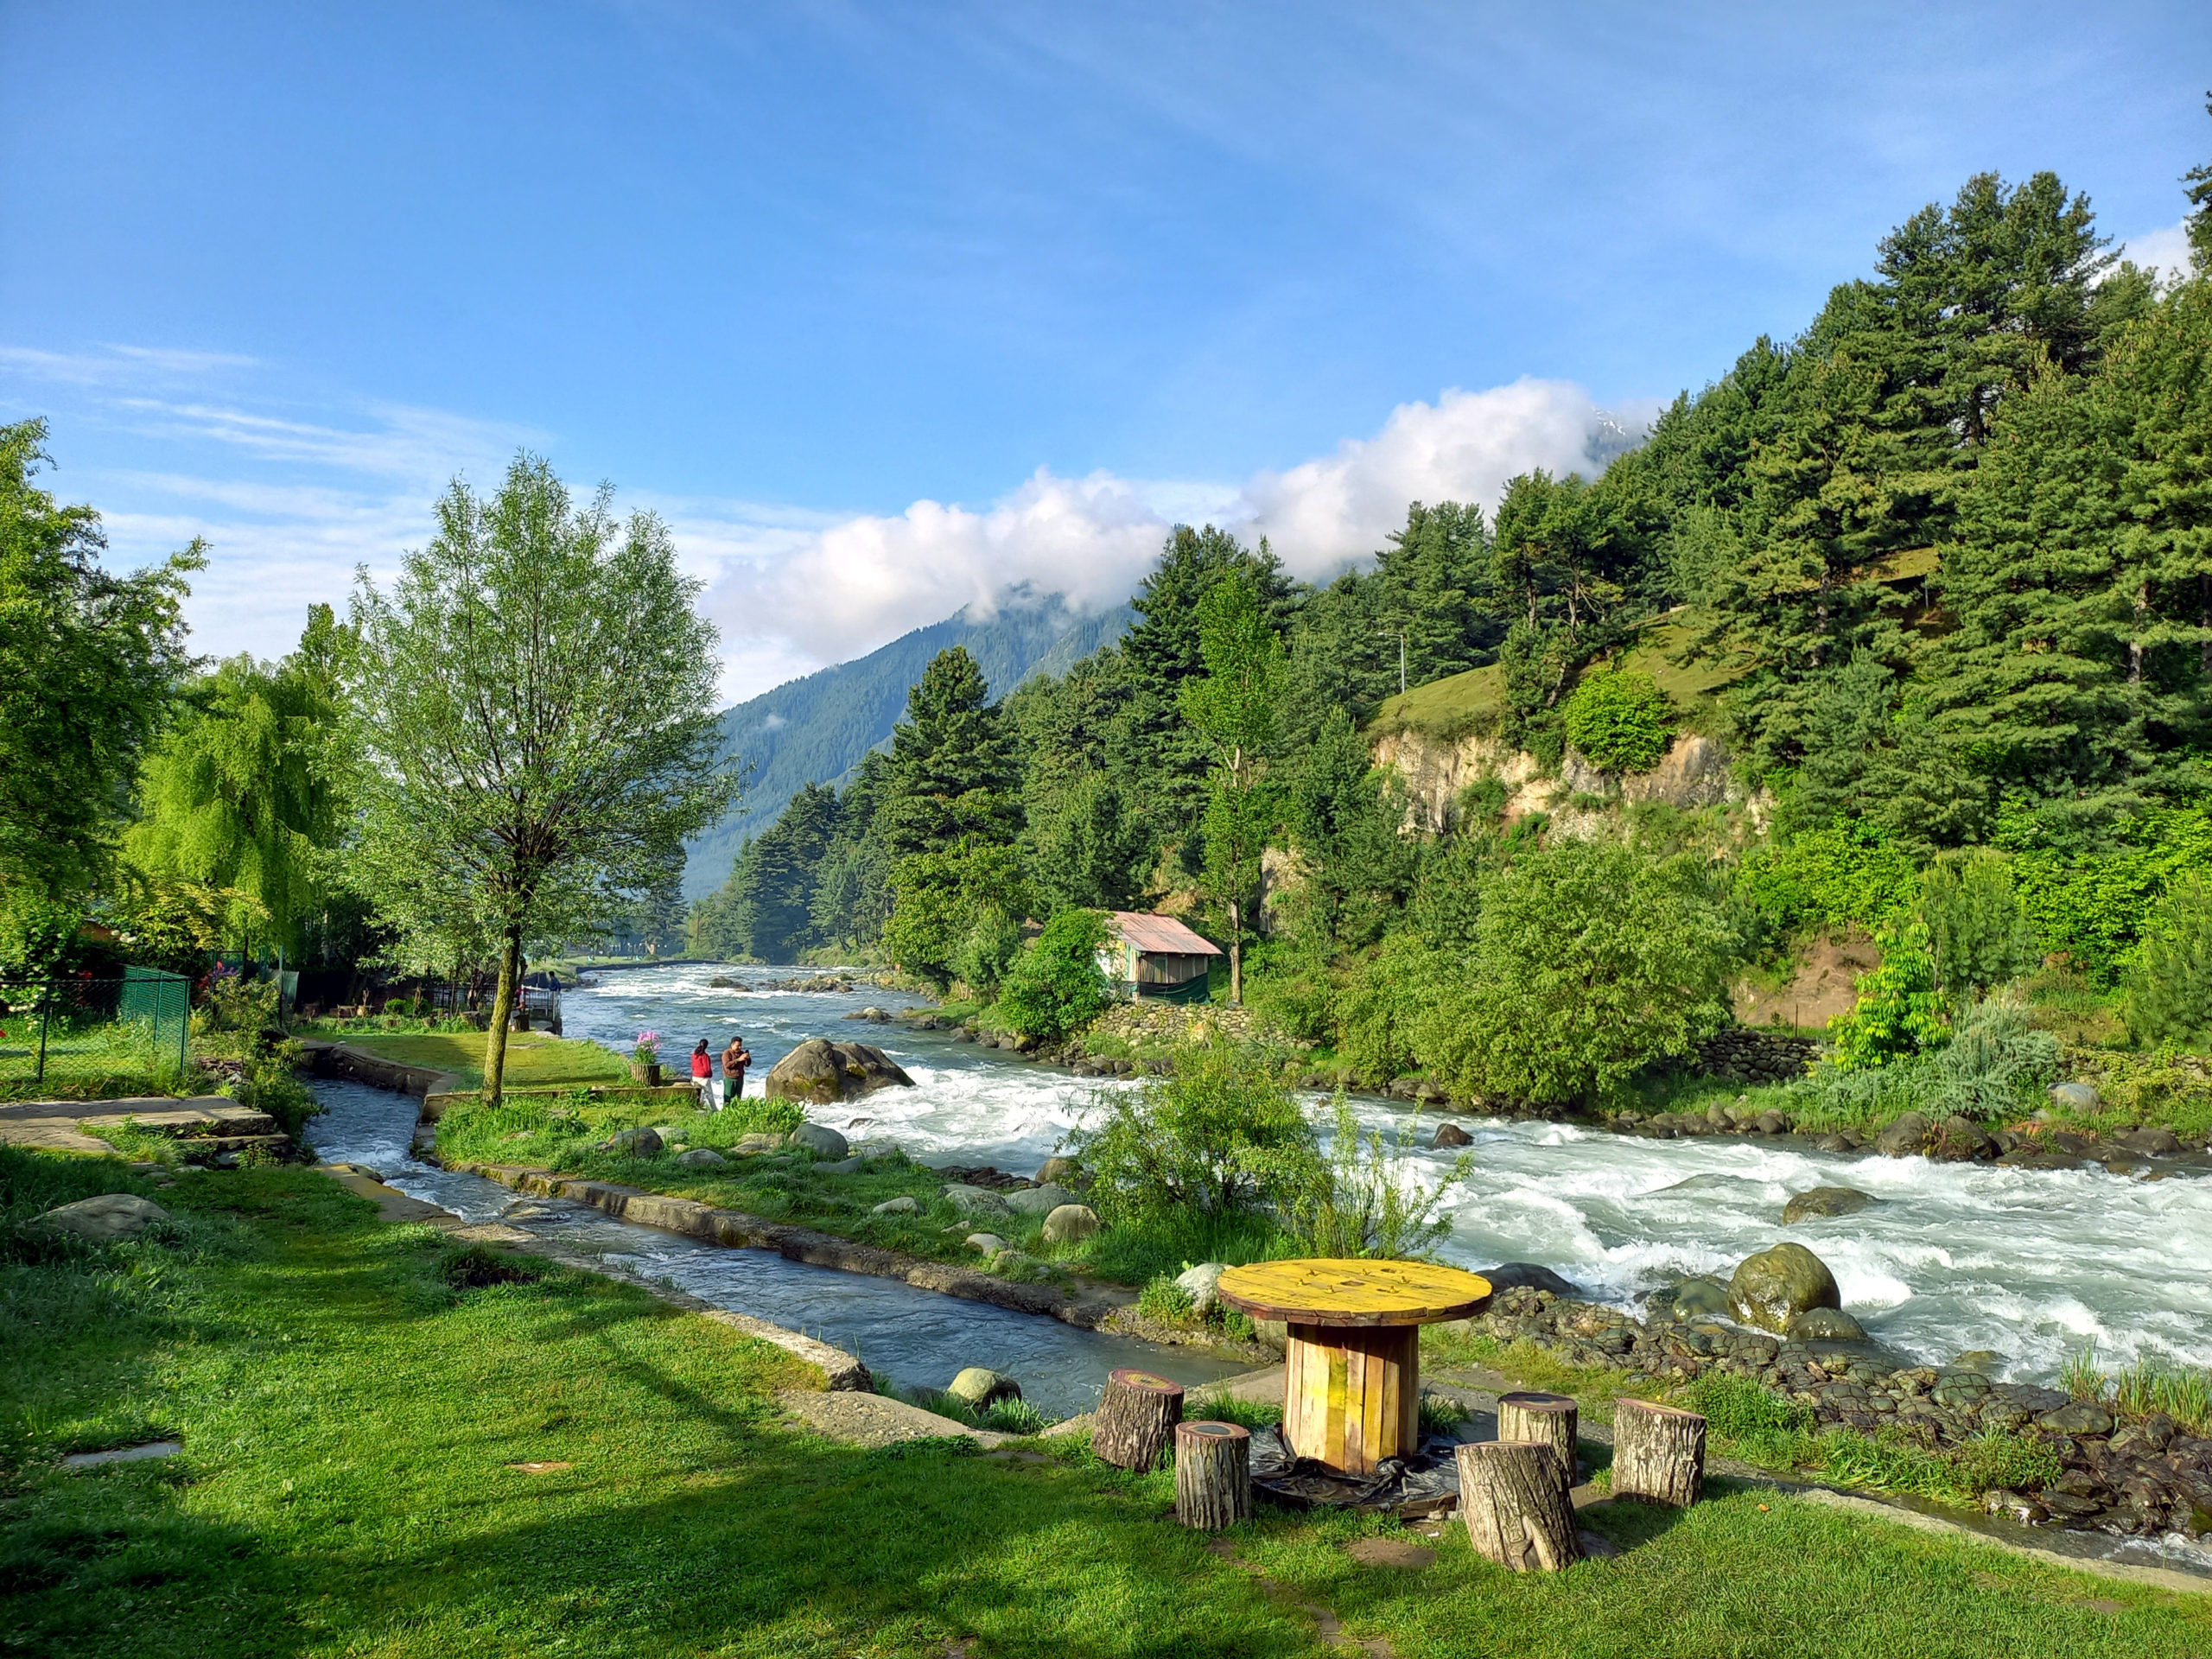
1351, 1367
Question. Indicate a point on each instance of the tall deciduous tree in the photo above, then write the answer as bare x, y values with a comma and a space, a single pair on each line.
87, 662
538, 725
1232, 708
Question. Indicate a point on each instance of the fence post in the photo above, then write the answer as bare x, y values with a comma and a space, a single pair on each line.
44, 1013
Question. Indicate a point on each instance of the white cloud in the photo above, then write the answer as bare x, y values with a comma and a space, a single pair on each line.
851, 587
2165, 251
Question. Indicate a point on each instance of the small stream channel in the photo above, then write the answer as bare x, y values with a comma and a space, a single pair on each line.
917, 1337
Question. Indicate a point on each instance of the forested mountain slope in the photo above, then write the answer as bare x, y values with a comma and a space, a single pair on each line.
815, 729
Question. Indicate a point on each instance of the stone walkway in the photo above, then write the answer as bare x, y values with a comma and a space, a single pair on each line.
57, 1125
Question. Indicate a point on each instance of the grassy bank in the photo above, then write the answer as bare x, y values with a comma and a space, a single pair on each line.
535, 1059
355, 1426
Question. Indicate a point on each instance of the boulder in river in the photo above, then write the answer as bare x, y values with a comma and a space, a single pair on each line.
1987, 1360
1451, 1135
1514, 1275
1038, 1200
820, 1140
1070, 1224
979, 1386
1962, 1140
820, 1072
1908, 1134
1824, 1201
104, 1219
1770, 1288
1700, 1298
2156, 1143
1825, 1325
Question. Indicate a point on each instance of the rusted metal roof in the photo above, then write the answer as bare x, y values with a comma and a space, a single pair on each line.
1160, 935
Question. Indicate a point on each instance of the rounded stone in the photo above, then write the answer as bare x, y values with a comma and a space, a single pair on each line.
2075, 1096
1070, 1224
822, 1071
1824, 1201
701, 1158
988, 1243
903, 1205
1770, 1288
2082, 1417
638, 1143
1825, 1325
820, 1140
979, 1386
1061, 1169
104, 1219
1038, 1200
1451, 1135
1700, 1297
974, 1200
1202, 1284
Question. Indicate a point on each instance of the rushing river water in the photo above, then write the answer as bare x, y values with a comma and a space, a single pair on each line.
2032, 1264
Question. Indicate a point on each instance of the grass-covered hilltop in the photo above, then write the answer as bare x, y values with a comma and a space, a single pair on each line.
1886, 657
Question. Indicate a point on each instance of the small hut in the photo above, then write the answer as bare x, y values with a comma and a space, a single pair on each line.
1149, 955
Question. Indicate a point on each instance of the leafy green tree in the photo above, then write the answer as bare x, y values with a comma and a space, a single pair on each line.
2197, 183
88, 662
537, 715
1220, 1135
958, 914
1977, 936
246, 790
1386, 1000
1233, 708
1367, 1200
1057, 986
2169, 985
1620, 721
1088, 845
953, 771
1593, 961
1898, 1012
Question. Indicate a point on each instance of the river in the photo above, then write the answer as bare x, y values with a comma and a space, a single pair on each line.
2030, 1264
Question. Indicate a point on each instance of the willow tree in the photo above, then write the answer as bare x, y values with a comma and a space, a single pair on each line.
536, 713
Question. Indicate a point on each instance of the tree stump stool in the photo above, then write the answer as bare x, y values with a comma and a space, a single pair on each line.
1550, 1419
1136, 1419
1658, 1453
1213, 1475
1351, 1364
1516, 1506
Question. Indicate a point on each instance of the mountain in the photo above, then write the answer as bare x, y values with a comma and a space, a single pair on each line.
816, 730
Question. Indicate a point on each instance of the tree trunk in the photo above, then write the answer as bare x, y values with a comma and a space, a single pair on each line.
1136, 1419
495, 1041
1235, 955
1213, 1475
1515, 1505
1658, 1453
1545, 1420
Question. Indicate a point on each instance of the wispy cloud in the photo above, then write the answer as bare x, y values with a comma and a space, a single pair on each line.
116, 364
2165, 251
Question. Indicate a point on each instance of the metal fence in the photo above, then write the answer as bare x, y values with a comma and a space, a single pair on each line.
76, 1029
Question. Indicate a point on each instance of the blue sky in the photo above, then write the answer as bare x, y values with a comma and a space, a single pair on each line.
887, 306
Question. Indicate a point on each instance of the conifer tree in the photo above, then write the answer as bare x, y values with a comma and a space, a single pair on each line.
953, 771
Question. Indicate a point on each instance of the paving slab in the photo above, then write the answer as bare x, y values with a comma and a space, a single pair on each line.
877, 1420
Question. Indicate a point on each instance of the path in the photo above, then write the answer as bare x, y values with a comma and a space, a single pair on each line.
55, 1125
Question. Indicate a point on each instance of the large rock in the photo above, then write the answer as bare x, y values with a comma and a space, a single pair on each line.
1961, 1141
974, 1200
1516, 1275
1908, 1134
821, 1141
638, 1143
2074, 1097
701, 1158
988, 1243
1824, 1201
821, 1072
1451, 1135
105, 1218
2082, 1417
1772, 1287
1202, 1284
1058, 1169
1825, 1325
1038, 1200
1070, 1224
1700, 1298
901, 1206
979, 1387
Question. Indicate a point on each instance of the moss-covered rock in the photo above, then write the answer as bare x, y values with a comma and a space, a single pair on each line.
1768, 1289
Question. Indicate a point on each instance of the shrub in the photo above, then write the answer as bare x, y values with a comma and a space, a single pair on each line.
1619, 720
1363, 1200
1995, 1064
1165, 1301
1382, 1000
1977, 936
1221, 1135
1593, 961
235, 1004
2169, 987
1057, 984
1898, 1012
272, 1084
1845, 876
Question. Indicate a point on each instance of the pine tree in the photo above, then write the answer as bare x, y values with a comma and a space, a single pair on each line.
953, 770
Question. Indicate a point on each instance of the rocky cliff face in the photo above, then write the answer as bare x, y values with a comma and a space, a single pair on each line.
1694, 773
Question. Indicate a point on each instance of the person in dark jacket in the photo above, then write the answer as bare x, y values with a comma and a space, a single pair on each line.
736, 1059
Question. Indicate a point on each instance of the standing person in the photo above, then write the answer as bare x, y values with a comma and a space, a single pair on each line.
736, 1059
702, 1077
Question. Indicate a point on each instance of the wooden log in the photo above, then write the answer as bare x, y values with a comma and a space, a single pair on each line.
1213, 1475
1516, 1507
1658, 1453
1136, 1419
1546, 1419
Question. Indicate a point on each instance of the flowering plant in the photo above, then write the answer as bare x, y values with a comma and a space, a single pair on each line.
647, 1051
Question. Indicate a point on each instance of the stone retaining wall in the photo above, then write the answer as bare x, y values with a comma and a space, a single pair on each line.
339, 1060
1743, 1055
2141, 1477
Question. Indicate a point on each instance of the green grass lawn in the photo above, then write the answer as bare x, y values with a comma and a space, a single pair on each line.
535, 1059
352, 1423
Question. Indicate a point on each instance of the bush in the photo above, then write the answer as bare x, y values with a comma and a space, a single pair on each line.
272, 1085
1977, 936
1996, 1064
1843, 876
2169, 987
1057, 984
1364, 1200
1382, 1001
1898, 1012
1221, 1135
1619, 720
1593, 961
235, 1004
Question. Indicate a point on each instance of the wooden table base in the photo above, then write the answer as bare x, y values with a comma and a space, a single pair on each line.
1351, 1394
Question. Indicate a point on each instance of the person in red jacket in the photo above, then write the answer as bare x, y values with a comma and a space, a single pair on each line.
703, 1078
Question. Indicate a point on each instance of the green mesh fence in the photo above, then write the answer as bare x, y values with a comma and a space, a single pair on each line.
74, 1033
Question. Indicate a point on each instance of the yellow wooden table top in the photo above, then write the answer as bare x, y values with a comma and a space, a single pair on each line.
1317, 1292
